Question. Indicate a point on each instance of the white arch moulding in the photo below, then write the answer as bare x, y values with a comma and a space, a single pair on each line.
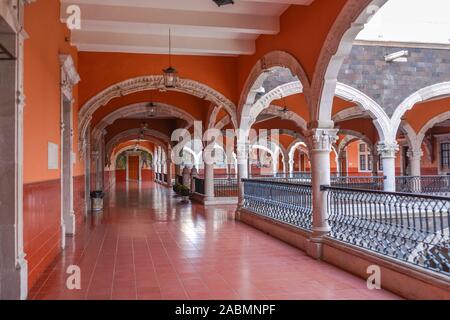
297, 144
260, 72
434, 91
430, 124
116, 154
273, 153
289, 115
337, 46
380, 118
349, 113
151, 82
352, 134
163, 110
153, 136
251, 112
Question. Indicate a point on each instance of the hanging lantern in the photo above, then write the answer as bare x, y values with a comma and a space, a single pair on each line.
170, 77
170, 74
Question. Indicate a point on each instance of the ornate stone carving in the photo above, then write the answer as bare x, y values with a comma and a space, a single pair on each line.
148, 83
69, 75
387, 149
322, 139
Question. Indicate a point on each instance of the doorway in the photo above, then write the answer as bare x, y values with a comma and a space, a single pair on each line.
133, 168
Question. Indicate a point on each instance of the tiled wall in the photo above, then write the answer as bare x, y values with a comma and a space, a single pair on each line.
42, 220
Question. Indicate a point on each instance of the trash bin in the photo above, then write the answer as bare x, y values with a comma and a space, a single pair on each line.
97, 201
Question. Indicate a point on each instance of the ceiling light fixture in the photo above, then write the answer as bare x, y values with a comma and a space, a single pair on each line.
170, 73
223, 2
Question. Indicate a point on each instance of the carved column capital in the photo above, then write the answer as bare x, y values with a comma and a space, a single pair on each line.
321, 139
387, 149
415, 154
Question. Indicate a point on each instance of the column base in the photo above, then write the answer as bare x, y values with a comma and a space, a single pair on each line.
14, 281
314, 248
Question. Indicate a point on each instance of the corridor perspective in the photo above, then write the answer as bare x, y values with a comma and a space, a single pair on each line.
148, 245
224, 150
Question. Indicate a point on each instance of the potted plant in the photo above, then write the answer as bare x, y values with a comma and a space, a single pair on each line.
184, 192
176, 189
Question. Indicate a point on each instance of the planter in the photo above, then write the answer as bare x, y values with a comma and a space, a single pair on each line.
96, 201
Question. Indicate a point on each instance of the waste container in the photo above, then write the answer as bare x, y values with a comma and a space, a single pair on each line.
97, 201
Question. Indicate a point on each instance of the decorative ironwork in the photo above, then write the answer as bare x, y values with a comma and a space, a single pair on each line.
199, 185
407, 227
365, 183
285, 202
226, 187
357, 182
436, 185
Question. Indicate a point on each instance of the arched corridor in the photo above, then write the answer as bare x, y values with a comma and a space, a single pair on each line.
148, 245
248, 149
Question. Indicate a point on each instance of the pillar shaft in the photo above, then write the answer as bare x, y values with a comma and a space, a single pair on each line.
321, 141
387, 152
209, 180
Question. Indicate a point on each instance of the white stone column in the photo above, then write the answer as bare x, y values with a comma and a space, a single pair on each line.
415, 158
209, 181
387, 151
186, 177
375, 163
194, 174
291, 167
169, 172
243, 168
320, 141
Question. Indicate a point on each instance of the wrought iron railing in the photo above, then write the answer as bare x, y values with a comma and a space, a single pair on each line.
286, 202
362, 182
437, 185
226, 187
199, 184
357, 182
407, 227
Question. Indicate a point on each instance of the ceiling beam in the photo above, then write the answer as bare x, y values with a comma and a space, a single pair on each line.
127, 18
138, 43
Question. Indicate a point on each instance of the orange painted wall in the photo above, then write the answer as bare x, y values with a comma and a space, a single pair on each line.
104, 69
42, 125
421, 113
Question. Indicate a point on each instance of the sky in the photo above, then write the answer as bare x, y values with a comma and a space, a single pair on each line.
423, 21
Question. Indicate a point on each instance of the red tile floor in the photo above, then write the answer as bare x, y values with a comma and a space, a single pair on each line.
147, 245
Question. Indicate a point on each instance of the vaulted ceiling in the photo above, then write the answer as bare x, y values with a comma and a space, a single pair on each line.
198, 26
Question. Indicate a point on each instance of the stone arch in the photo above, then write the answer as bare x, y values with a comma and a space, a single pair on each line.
295, 145
152, 82
251, 112
140, 108
337, 46
350, 137
258, 75
115, 155
422, 95
289, 115
153, 136
430, 124
379, 116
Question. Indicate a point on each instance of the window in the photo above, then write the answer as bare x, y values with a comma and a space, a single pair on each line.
365, 158
445, 155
